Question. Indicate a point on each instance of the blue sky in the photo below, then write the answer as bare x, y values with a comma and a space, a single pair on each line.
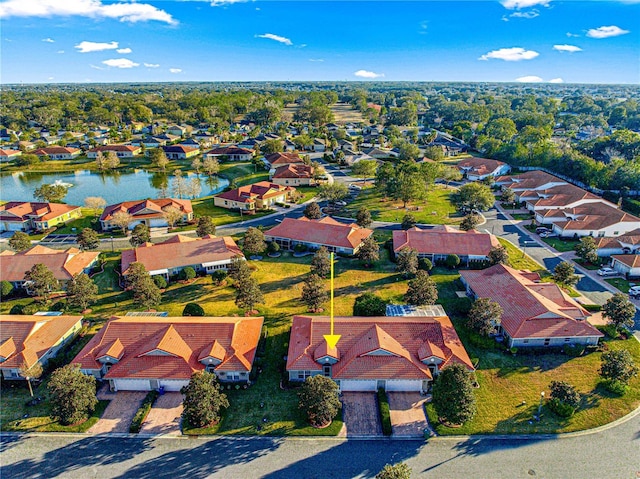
58, 41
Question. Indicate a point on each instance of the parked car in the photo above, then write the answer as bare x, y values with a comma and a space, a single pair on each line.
634, 292
542, 229
341, 203
548, 234
354, 186
607, 272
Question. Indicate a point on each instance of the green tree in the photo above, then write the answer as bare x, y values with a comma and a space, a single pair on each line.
564, 399
587, 249
50, 193
273, 248
421, 290
369, 251
564, 274
395, 471
41, 281
140, 235
452, 261
385, 179
363, 217
314, 293
408, 183
453, 397
82, 291
473, 196
146, 293
368, 304
364, 169
19, 241
206, 226
407, 261
408, 221
72, 395
470, 221
238, 269
272, 146
192, 309
187, 273
498, 255
159, 280
312, 211
203, 400
485, 316
618, 367
248, 294
434, 153
408, 151
159, 158
333, 192
321, 262
318, 398
508, 196
254, 243
88, 239
6, 288
619, 311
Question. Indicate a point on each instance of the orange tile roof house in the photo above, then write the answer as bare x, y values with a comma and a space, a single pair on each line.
535, 314
597, 219
149, 212
28, 340
180, 152
64, 264
293, 175
8, 155
626, 264
556, 197
29, 215
336, 236
253, 197
168, 258
480, 168
233, 153
628, 243
141, 353
58, 152
531, 180
121, 151
279, 159
395, 353
439, 242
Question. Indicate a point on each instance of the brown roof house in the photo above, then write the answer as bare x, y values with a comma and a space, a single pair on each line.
439, 242
531, 180
393, 353
590, 219
29, 340
535, 314
480, 168
628, 243
293, 175
149, 212
335, 236
181, 152
64, 264
58, 152
557, 197
168, 258
29, 215
253, 197
138, 353
231, 153
279, 159
627, 264
121, 151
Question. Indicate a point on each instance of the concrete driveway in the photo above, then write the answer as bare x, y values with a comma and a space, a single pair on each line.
164, 416
360, 414
407, 414
120, 411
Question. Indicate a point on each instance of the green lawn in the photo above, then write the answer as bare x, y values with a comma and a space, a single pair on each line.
436, 209
518, 259
520, 216
307, 193
562, 245
622, 284
243, 173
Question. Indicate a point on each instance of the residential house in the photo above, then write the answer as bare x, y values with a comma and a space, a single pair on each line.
152, 142
57, 153
535, 313
280, 159
205, 139
476, 169
231, 153
121, 151
380, 153
253, 197
439, 242
289, 146
149, 212
64, 264
26, 341
335, 236
628, 243
392, 353
529, 181
30, 215
191, 143
143, 353
8, 155
318, 145
6, 134
168, 258
557, 197
180, 152
626, 264
177, 130
249, 144
25, 146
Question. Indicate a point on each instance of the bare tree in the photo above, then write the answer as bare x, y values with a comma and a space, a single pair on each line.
196, 165
194, 187
178, 184
172, 215
121, 219
112, 161
30, 372
211, 166
95, 203
101, 163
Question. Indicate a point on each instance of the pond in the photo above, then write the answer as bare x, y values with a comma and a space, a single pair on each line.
113, 186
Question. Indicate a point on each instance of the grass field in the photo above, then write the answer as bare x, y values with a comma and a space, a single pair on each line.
519, 260
622, 284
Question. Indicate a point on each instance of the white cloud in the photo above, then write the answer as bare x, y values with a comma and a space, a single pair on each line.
316, 59
529, 79
567, 48
367, 74
48, 40
514, 54
96, 67
124, 50
424, 25
569, 34
606, 32
518, 4
151, 65
60, 51
276, 38
124, 11
120, 63
175, 70
556, 80
50, 78
224, 3
530, 14
87, 47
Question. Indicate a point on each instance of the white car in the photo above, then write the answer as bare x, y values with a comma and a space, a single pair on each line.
634, 292
607, 272
353, 186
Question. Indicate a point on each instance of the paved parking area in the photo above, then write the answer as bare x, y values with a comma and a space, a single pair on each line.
407, 413
60, 239
360, 414
120, 411
164, 416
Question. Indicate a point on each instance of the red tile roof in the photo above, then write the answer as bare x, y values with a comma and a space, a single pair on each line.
530, 180
593, 216
283, 158
479, 166
7, 153
229, 150
294, 171
179, 149
325, 231
444, 242
64, 264
387, 347
55, 150
129, 148
631, 260
559, 196
249, 193
20, 211
530, 308
630, 238
171, 348
179, 251
147, 208
25, 339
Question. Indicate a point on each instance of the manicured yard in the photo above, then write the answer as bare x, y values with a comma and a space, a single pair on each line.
562, 245
622, 284
243, 173
518, 259
436, 209
519, 216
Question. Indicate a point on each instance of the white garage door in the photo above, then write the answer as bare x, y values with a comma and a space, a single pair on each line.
173, 385
132, 385
353, 385
403, 385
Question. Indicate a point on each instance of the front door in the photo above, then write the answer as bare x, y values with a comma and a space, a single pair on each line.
381, 384
326, 371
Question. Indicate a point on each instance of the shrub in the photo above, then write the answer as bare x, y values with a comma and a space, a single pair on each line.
560, 408
616, 387
187, 273
564, 398
453, 397
574, 350
273, 247
319, 400
385, 415
143, 411
368, 304
425, 264
6, 289
218, 276
395, 471
160, 281
452, 261
592, 308
58, 306
300, 248
192, 309
17, 309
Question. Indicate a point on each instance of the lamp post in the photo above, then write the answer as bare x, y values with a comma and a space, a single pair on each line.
540, 405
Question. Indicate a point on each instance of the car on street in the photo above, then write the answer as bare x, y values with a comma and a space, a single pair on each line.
634, 292
606, 272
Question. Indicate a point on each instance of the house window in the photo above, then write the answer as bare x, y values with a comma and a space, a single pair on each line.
566, 340
210, 368
525, 341
233, 377
547, 341
302, 375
